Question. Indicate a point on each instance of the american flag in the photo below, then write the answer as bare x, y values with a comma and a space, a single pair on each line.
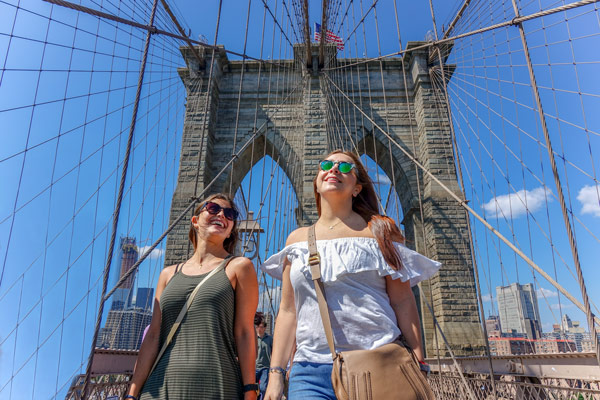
330, 37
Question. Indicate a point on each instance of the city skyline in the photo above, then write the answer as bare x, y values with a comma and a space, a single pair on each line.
128, 316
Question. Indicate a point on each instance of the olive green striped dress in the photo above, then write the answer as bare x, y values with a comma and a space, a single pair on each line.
201, 361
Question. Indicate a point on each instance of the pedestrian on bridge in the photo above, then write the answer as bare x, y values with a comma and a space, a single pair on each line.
201, 343
263, 354
367, 274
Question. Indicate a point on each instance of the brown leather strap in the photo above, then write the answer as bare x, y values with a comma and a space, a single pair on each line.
185, 308
314, 261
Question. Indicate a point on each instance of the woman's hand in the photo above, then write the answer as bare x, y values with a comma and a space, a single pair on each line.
275, 387
250, 395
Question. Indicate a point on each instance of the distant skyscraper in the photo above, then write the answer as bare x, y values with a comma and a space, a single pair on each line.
126, 321
124, 329
518, 309
129, 254
572, 331
144, 298
571, 326
492, 325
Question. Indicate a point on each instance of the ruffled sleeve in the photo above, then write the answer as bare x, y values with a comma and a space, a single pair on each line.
273, 266
415, 266
352, 255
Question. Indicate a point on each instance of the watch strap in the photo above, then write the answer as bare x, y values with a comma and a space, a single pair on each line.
250, 387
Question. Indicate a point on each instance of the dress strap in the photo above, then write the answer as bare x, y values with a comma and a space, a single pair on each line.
226, 260
178, 268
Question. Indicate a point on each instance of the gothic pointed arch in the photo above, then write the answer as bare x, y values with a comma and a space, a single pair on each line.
272, 144
396, 165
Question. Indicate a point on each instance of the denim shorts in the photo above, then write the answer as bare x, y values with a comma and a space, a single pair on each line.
310, 380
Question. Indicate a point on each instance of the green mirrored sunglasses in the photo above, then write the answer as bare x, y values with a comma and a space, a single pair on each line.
343, 166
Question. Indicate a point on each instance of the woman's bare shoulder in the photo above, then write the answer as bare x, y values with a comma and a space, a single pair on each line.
241, 262
165, 276
299, 235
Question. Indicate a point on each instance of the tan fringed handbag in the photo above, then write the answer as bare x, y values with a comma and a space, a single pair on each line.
388, 372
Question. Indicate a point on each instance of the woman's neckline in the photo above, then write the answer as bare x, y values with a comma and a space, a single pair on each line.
202, 274
344, 238
194, 276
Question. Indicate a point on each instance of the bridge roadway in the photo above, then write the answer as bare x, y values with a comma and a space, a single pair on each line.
528, 376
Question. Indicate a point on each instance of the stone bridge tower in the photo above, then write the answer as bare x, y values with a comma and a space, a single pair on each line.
208, 145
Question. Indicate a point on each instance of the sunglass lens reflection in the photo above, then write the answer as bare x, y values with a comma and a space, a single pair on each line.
214, 209
345, 167
326, 165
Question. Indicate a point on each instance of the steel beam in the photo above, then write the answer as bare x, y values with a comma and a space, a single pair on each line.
108, 362
562, 365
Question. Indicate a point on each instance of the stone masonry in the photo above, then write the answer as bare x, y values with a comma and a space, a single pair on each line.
285, 112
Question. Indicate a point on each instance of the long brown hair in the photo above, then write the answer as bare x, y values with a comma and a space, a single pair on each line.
365, 204
229, 243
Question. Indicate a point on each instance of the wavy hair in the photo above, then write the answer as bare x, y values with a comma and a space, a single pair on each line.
365, 204
230, 243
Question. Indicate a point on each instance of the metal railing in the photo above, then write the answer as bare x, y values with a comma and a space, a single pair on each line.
447, 387
551, 376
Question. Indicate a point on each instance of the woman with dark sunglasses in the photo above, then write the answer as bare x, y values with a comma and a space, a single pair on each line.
367, 274
213, 351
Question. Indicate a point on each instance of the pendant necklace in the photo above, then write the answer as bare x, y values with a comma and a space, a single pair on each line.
333, 226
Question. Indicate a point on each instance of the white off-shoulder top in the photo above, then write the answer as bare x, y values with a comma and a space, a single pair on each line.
353, 272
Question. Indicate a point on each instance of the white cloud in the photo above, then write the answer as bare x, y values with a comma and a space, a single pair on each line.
562, 305
488, 298
514, 204
156, 253
545, 293
588, 197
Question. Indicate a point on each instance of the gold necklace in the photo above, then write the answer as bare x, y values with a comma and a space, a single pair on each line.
334, 225
202, 264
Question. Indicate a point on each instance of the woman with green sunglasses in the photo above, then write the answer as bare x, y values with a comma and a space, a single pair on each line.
367, 273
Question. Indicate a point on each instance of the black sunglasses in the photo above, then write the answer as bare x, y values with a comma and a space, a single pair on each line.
213, 208
343, 166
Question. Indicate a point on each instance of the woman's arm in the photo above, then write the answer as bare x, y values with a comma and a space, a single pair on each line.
405, 308
283, 337
246, 301
149, 349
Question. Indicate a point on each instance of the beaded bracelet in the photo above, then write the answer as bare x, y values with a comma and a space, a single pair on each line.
129, 396
277, 370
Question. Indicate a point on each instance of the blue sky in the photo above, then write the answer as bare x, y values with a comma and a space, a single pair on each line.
60, 159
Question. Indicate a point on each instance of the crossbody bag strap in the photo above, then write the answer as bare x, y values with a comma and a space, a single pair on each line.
185, 309
314, 261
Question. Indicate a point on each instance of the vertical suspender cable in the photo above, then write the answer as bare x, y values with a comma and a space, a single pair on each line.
306, 30
467, 217
117, 211
323, 34
205, 111
417, 176
561, 197
239, 99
